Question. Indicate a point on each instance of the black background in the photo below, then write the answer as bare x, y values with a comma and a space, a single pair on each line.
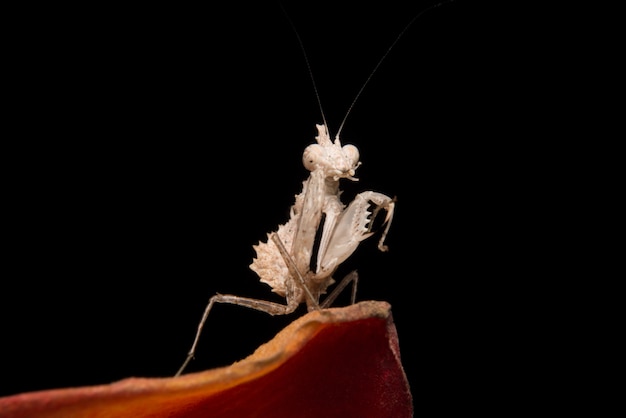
156, 146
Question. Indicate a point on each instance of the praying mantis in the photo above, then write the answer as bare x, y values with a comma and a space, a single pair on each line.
299, 258
287, 261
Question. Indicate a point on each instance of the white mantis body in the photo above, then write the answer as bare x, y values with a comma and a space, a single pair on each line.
299, 259
287, 261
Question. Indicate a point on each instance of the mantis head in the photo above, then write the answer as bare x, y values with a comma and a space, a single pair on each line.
334, 160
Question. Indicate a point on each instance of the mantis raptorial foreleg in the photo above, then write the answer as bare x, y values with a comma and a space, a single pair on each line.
382, 202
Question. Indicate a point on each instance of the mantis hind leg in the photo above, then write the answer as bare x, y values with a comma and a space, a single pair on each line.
351, 277
271, 308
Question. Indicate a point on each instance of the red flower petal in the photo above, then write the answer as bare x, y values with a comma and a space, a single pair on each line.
340, 362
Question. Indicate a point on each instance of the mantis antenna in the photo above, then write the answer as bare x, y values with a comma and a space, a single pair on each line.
371, 74
308, 64
380, 61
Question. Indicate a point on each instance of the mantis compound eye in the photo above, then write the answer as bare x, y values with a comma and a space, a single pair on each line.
352, 153
312, 155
